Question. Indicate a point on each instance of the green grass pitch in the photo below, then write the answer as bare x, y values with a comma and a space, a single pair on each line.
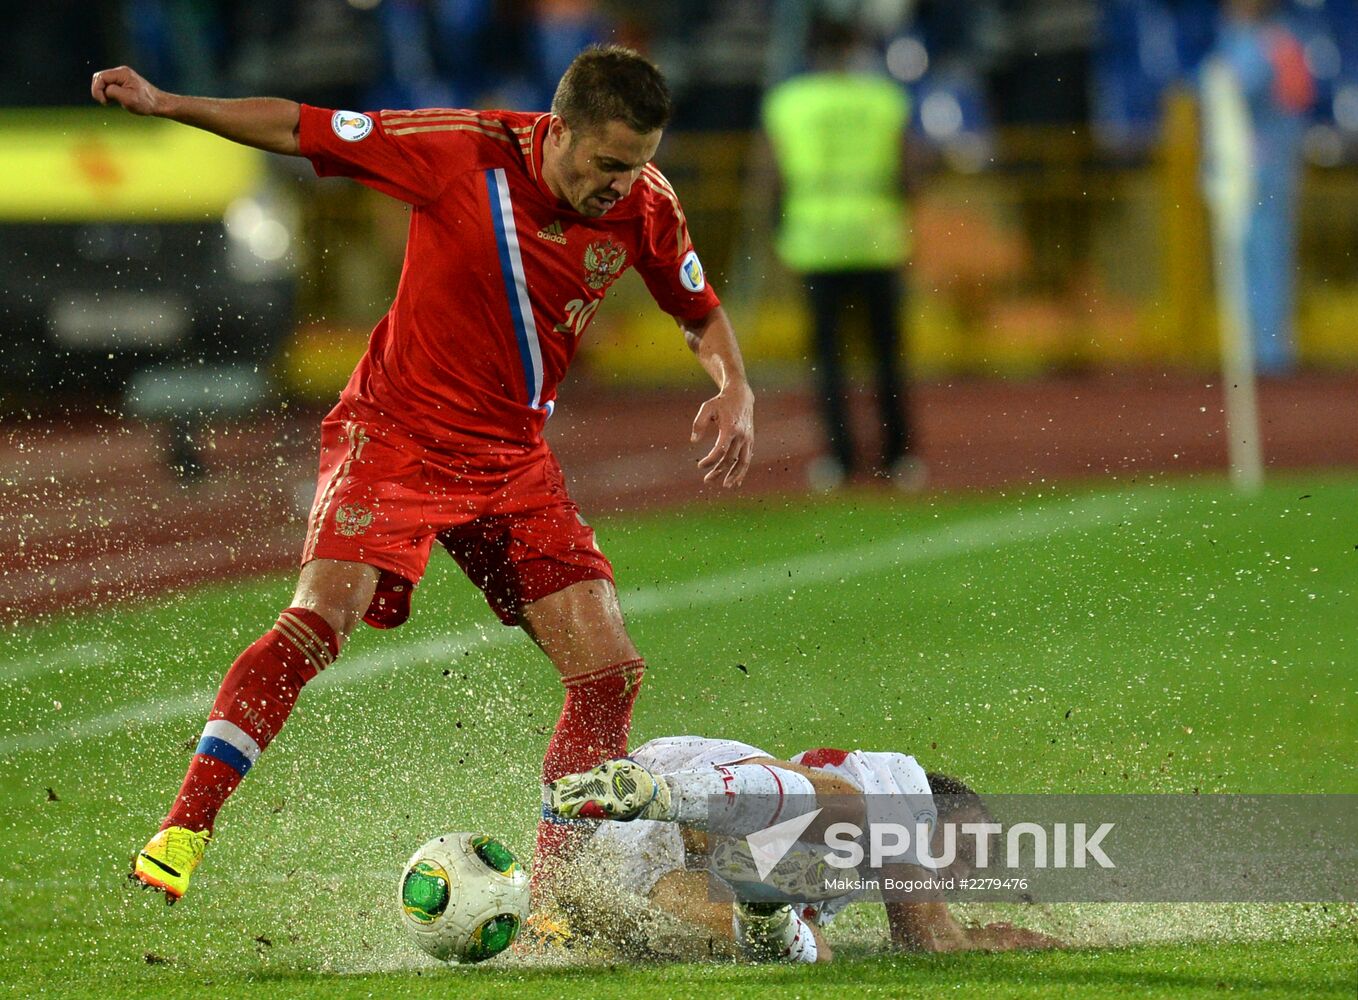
1138, 638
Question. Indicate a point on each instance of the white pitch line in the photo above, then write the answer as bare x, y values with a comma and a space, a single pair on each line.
911, 548
82, 656
907, 549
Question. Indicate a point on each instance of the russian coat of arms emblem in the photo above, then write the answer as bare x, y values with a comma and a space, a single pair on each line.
352, 520
604, 261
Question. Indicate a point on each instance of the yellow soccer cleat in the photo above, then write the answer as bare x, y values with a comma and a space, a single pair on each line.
617, 789
544, 933
548, 938
169, 859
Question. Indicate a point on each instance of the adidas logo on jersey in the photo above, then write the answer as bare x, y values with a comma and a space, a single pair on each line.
553, 232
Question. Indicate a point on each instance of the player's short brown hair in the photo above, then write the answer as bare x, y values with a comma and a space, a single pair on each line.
612, 83
953, 796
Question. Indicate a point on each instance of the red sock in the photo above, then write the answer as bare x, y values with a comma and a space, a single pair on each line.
593, 728
255, 698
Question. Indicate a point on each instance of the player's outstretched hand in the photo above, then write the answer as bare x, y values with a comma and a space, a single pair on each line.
950, 936
126, 87
1006, 937
731, 412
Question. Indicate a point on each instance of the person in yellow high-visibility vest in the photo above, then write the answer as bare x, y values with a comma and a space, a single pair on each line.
837, 134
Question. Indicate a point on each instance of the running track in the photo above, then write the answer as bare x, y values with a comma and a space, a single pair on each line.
90, 515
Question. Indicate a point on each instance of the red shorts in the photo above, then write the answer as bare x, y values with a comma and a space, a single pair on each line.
503, 514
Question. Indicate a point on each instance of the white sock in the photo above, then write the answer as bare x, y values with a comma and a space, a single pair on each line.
780, 936
737, 799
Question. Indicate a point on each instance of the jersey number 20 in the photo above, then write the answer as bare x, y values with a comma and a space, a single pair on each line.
578, 314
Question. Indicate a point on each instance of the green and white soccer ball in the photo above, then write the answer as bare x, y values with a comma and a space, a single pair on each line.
463, 897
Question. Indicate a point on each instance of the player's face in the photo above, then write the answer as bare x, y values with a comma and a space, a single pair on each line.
592, 169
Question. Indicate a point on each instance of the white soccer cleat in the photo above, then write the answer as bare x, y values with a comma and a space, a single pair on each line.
772, 932
617, 789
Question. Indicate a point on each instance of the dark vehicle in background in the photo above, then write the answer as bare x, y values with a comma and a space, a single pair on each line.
142, 264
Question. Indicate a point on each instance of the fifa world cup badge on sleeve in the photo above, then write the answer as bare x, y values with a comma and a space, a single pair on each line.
351, 126
691, 272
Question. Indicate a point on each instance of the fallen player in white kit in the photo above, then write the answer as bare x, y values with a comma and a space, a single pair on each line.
672, 792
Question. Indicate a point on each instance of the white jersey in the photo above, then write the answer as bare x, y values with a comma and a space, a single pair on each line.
644, 850
896, 787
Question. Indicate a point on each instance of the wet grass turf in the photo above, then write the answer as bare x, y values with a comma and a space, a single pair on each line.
1156, 638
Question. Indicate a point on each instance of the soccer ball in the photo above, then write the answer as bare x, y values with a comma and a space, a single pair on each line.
463, 897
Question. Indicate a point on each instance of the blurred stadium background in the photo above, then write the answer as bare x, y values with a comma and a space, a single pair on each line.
171, 302
168, 299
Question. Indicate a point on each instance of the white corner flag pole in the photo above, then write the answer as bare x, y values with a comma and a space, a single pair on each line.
1229, 184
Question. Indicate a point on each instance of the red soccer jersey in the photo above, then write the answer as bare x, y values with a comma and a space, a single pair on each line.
501, 278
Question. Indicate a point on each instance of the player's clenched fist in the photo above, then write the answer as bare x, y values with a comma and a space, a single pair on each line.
126, 87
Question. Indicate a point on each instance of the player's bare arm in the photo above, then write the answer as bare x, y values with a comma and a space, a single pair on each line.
267, 123
731, 411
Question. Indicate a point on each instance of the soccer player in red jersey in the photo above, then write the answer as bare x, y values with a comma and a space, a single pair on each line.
519, 224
